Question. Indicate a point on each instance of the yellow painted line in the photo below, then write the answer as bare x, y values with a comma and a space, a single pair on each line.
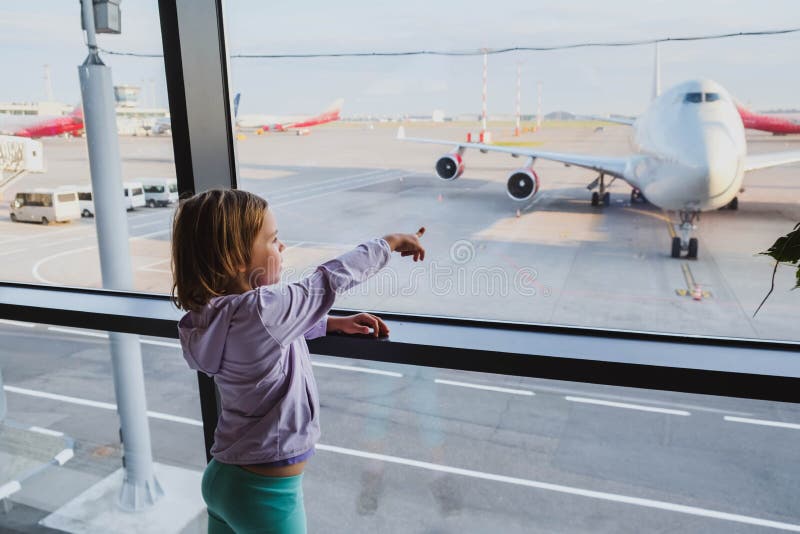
671, 229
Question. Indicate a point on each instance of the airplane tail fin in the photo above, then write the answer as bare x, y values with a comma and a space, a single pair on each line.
336, 106
236, 104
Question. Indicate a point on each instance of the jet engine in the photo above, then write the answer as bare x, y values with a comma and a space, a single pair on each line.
450, 166
523, 184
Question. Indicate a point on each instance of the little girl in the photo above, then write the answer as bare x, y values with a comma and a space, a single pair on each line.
249, 334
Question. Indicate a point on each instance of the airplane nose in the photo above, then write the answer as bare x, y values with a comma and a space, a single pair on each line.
721, 161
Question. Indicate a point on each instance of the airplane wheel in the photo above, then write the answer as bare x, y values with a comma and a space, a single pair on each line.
595, 199
606, 199
676, 247
734, 205
13, 217
45, 221
693, 244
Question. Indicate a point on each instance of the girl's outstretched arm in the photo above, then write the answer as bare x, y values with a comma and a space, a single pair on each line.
291, 310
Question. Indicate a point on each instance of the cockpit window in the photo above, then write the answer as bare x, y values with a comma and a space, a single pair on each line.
694, 98
712, 97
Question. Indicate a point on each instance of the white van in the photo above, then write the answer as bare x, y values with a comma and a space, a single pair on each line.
134, 195
45, 206
159, 191
85, 200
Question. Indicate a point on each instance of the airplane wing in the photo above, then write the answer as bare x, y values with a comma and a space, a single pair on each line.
613, 166
773, 159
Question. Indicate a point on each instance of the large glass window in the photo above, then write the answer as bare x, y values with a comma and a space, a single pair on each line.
406, 448
561, 254
40, 102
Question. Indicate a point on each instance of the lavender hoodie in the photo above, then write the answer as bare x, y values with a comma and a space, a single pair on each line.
254, 345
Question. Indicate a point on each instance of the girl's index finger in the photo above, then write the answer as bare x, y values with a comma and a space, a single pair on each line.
420, 231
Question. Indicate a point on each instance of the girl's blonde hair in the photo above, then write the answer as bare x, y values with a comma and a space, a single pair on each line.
212, 237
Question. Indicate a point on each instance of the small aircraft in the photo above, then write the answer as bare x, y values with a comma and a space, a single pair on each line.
299, 124
36, 126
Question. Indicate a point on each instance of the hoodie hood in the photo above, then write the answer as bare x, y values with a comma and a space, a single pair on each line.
203, 334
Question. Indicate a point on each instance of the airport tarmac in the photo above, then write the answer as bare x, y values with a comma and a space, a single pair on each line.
560, 261
411, 449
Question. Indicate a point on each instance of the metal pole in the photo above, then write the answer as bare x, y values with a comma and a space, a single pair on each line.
483, 100
539, 106
140, 488
519, 97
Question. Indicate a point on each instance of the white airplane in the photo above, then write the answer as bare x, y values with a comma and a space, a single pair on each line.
690, 157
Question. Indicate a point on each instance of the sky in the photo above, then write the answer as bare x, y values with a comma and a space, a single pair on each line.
760, 71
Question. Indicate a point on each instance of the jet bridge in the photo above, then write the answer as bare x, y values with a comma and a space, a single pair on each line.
19, 156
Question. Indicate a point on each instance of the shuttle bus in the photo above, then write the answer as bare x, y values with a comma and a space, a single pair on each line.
159, 191
134, 195
45, 206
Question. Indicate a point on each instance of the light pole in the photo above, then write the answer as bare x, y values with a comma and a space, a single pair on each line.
140, 488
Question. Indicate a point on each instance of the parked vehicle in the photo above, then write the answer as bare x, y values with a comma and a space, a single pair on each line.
45, 206
134, 195
159, 191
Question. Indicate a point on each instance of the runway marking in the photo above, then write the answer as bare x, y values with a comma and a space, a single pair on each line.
334, 184
17, 323
9, 488
149, 266
357, 369
304, 187
628, 406
558, 488
46, 431
97, 404
570, 490
9, 252
692, 288
77, 332
762, 422
133, 226
671, 229
487, 388
335, 191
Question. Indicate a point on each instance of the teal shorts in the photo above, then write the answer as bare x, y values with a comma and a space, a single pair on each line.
243, 502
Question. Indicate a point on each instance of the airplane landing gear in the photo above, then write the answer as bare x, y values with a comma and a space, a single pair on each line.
684, 241
637, 196
602, 194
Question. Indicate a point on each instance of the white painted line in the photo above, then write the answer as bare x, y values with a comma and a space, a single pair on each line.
96, 404
17, 323
627, 406
487, 388
46, 431
762, 422
39, 263
357, 369
64, 456
133, 226
160, 343
105, 336
9, 488
288, 191
151, 234
325, 194
174, 418
62, 398
9, 252
76, 331
613, 497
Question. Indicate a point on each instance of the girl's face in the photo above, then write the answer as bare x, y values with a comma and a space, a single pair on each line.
266, 260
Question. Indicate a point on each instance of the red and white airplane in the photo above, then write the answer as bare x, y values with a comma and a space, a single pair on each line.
298, 124
35, 126
776, 124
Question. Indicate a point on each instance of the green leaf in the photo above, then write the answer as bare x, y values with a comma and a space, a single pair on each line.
787, 248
